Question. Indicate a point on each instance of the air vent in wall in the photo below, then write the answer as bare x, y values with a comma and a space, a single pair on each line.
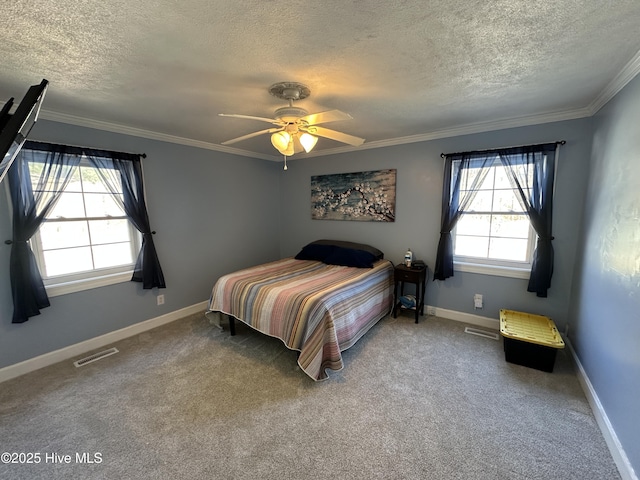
95, 356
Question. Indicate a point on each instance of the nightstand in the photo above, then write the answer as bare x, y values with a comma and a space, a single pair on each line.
403, 274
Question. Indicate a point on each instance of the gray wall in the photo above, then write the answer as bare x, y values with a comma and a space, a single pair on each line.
418, 204
213, 213
605, 309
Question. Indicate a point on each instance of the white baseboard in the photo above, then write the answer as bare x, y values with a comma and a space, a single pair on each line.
619, 456
41, 361
470, 318
15, 370
615, 447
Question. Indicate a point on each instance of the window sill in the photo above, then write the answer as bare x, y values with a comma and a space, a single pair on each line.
65, 288
495, 270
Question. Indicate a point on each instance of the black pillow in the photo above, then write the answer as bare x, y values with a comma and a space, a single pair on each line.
353, 245
349, 257
314, 251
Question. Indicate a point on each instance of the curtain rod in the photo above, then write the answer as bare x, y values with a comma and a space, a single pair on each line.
443, 155
143, 155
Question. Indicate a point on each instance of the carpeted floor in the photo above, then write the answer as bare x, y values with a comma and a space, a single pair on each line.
186, 400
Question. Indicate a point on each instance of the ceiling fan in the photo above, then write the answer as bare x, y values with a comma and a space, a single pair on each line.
295, 129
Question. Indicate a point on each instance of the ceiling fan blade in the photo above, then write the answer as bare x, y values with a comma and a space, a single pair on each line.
251, 135
249, 117
333, 135
325, 117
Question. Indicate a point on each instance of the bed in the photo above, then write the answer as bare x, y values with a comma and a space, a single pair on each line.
319, 303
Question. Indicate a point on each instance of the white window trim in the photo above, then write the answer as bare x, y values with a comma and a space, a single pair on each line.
495, 267
81, 281
66, 287
495, 270
78, 282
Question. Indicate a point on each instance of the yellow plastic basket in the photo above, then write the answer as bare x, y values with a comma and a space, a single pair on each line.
530, 328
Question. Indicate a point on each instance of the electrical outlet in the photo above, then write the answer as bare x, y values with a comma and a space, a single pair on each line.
477, 301
160, 299
431, 310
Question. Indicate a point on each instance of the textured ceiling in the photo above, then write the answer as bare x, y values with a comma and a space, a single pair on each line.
405, 70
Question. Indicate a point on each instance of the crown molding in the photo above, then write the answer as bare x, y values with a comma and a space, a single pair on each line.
468, 129
138, 132
627, 74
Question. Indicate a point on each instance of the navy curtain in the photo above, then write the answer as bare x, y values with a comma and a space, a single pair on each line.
126, 171
539, 162
30, 206
463, 176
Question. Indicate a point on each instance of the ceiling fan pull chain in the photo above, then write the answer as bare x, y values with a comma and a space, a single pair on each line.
285, 163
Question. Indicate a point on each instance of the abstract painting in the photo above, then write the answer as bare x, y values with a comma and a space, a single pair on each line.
359, 196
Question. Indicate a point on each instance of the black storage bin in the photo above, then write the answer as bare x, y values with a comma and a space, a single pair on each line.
530, 340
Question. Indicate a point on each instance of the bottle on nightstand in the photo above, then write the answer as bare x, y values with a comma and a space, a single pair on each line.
408, 257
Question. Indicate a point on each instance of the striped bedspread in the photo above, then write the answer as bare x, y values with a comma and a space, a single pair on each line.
317, 309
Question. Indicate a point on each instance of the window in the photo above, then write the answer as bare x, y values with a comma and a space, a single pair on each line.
494, 234
86, 239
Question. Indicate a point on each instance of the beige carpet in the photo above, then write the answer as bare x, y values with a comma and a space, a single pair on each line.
186, 400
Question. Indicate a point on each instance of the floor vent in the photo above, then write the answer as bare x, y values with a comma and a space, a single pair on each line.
95, 356
481, 333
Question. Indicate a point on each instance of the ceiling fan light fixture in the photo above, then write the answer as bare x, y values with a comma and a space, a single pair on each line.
281, 141
308, 141
290, 149
296, 130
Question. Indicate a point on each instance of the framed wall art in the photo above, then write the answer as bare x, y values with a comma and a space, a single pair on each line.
359, 196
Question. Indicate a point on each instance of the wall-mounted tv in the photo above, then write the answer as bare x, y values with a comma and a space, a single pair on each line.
15, 128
